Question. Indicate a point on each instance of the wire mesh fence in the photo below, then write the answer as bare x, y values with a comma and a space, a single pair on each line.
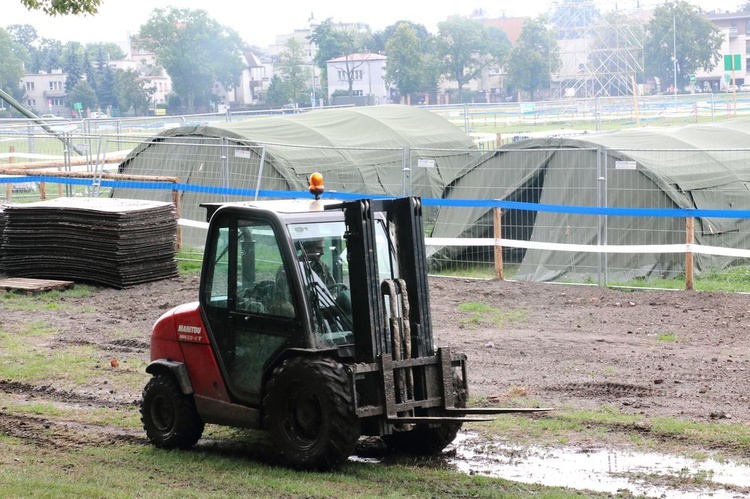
551, 213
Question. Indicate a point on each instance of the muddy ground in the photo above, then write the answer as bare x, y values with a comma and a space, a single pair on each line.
656, 353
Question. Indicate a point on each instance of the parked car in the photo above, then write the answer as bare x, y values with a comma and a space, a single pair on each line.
731, 88
745, 87
98, 115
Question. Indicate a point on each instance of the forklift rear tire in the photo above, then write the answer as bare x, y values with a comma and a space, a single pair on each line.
309, 411
169, 416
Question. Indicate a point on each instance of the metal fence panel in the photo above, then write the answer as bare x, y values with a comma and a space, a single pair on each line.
550, 227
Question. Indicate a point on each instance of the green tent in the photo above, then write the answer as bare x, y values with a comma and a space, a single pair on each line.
358, 150
698, 166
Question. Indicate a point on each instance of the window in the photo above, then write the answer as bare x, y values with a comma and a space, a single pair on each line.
56, 102
31, 102
29, 86
357, 74
359, 93
250, 318
55, 85
260, 270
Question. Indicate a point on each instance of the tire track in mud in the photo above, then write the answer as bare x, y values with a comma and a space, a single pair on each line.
60, 433
603, 389
50, 433
50, 393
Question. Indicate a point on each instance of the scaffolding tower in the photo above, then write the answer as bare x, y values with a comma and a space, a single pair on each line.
601, 53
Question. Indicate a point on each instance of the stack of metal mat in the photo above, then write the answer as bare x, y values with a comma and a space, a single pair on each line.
2, 226
113, 242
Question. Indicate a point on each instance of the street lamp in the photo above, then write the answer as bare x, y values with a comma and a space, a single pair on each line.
312, 98
674, 53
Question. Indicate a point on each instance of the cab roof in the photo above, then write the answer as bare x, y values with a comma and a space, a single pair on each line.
286, 206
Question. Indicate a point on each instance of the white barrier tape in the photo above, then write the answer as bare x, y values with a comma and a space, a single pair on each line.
590, 248
580, 248
192, 223
718, 251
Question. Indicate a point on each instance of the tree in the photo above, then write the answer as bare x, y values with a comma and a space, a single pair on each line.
465, 49
404, 68
90, 72
679, 29
55, 7
534, 57
73, 64
24, 37
130, 92
48, 56
277, 94
105, 88
110, 51
329, 42
380, 39
293, 70
195, 50
84, 94
332, 43
24, 34
11, 66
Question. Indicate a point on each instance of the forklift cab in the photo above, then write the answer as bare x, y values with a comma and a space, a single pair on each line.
263, 292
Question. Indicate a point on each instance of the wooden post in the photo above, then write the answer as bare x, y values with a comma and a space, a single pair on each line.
689, 239
59, 186
178, 210
9, 186
42, 191
498, 248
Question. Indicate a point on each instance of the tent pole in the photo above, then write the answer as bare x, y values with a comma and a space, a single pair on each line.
178, 212
689, 239
601, 201
260, 171
498, 247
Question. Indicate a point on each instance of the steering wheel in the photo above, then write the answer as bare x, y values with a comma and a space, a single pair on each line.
337, 288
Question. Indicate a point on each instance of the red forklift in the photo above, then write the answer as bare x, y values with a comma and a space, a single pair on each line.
317, 347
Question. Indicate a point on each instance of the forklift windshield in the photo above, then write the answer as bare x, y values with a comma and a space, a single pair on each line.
322, 256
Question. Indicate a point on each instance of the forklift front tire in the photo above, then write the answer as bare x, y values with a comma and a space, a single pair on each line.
169, 416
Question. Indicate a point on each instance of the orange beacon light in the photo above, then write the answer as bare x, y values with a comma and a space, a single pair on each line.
316, 185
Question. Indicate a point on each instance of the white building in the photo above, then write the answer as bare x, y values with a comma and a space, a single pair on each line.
252, 84
735, 28
45, 93
366, 71
152, 75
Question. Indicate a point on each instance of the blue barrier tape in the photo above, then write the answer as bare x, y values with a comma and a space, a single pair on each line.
345, 196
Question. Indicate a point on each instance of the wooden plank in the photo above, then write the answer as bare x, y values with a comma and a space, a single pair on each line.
33, 286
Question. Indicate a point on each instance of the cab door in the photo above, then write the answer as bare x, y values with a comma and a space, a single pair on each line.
252, 316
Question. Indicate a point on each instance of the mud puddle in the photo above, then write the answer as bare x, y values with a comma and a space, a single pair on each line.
603, 470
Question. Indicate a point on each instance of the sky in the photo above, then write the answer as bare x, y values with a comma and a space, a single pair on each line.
258, 23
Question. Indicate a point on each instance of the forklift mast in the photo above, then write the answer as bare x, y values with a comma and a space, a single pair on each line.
371, 329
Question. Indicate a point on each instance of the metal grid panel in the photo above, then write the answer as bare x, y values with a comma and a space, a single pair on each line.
233, 170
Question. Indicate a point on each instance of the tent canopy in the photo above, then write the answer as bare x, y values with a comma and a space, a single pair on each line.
358, 150
701, 167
